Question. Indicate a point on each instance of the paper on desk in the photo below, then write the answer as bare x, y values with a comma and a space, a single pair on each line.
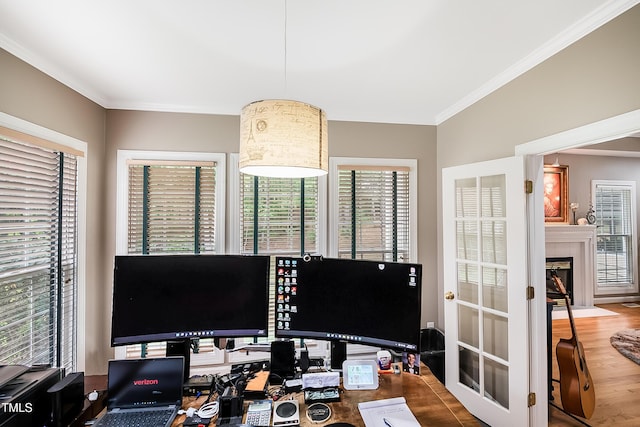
392, 412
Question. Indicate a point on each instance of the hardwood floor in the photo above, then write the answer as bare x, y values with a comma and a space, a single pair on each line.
616, 378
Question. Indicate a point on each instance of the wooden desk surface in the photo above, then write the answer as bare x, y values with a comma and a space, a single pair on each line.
429, 400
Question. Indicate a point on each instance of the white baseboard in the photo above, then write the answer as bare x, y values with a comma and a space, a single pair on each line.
611, 300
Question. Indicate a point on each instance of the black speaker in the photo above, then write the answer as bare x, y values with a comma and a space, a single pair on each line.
231, 408
338, 354
181, 348
283, 361
67, 399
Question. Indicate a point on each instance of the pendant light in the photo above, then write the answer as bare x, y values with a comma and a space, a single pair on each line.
283, 138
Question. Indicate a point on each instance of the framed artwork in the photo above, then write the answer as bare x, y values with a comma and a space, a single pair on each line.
556, 194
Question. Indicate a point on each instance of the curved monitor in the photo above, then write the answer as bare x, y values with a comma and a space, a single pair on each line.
366, 302
178, 297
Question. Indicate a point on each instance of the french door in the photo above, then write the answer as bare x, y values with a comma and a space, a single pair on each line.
485, 289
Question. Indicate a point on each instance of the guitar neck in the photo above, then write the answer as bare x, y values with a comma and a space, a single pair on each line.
560, 286
574, 332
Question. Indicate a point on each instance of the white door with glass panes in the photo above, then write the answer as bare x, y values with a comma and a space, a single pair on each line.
485, 283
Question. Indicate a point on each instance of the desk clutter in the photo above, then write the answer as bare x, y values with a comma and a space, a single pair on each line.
225, 404
247, 396
308, 297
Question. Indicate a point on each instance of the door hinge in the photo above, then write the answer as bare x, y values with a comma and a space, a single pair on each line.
531, 399
528, 186
530, 293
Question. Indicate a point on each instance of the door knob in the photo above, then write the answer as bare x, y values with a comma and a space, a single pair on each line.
449, 296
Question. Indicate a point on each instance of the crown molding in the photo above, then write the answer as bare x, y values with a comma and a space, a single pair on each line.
591, 22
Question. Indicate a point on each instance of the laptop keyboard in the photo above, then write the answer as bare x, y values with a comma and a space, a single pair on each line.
155, 418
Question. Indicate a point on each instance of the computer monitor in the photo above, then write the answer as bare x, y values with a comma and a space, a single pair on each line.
181, 297
358, 301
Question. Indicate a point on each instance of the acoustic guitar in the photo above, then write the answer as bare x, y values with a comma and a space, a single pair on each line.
576, 386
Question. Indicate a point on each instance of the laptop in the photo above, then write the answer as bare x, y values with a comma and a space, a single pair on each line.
143, 392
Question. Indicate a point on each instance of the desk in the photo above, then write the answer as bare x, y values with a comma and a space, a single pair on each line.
429, 400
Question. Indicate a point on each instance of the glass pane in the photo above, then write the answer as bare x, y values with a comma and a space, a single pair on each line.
494, 242
466, 198
493, 199
469, 372
496, 382
494, 288
495, 335
467, 240
468, 326
615, 243
468, 282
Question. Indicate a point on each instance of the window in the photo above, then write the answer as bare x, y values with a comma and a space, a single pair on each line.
169, 203
39, 280
278, 217
172, 207
373, 209
615, 211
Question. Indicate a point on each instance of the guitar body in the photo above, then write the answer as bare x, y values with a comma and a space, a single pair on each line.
576, 386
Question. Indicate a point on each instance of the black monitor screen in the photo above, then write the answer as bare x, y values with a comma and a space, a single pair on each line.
368, 302
169, 297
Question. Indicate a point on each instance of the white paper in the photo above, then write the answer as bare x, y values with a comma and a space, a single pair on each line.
392, 412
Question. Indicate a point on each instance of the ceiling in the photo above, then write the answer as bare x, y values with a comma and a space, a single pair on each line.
400, 61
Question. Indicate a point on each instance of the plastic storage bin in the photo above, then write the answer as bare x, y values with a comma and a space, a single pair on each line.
432, 351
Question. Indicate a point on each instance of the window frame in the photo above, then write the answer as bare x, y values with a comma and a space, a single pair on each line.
65, 142
122, 204
619, 288
336, 162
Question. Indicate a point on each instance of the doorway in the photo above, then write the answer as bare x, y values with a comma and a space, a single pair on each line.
610, 129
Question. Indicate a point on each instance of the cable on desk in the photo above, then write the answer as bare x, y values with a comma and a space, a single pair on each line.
208, 410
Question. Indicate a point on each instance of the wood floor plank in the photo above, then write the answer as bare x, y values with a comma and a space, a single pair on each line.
616, 378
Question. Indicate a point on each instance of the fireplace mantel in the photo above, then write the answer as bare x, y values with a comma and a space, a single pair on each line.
578, 242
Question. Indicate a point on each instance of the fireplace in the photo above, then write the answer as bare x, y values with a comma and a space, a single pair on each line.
577, 242
563, 268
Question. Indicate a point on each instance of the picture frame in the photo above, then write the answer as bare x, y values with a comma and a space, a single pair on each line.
556, 194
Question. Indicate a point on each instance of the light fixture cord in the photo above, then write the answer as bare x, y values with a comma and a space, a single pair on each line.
285, 48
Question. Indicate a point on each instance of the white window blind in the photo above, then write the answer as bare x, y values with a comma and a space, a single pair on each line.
373, 212
615, 204
279, 215
38, 266
171, 208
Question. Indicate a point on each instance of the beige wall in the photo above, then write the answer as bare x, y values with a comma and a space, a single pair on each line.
594, 79
210, 133
30, 95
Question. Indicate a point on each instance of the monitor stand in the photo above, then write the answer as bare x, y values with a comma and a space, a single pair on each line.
181, 348
338, 354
